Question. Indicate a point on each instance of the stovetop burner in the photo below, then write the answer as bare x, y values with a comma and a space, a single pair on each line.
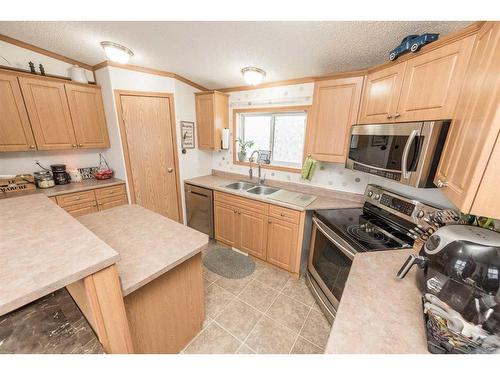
367, 233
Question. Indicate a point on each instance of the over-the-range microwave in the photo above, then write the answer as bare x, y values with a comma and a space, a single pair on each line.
406, 152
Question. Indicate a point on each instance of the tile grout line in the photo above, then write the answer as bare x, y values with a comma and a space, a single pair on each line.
300, 330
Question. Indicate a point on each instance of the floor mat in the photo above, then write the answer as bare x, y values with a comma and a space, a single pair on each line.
229, 263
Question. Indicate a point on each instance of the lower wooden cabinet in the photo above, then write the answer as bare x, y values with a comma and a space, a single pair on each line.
268, 232
90, 201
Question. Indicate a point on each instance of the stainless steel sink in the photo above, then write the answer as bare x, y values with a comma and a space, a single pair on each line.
240, 186
262, 190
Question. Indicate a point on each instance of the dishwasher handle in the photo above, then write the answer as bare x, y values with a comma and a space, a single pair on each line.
196, 193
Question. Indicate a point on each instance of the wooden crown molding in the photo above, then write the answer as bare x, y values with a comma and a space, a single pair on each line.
42, 51
450, 38
142, 69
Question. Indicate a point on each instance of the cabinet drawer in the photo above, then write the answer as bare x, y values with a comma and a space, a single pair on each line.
247, 204
75, 198
81, 208
110, 191
285, 214
110, 202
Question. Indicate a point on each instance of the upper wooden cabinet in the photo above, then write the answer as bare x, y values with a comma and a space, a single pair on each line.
334, 111
42, 113
381, 95
87, 112
468, 172
212, 115
15, 129
49, 115
425, 87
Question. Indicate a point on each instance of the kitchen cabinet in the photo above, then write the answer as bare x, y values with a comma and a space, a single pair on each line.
87, 112
212, 115
268, 232
468, 170
43, 113
15, 129
89, 201
424, 87
48, 112
334, 111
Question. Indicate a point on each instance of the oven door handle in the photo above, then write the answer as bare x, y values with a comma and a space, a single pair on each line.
342, 248
406, 151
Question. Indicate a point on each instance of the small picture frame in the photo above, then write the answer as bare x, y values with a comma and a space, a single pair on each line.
187, 134
264, 157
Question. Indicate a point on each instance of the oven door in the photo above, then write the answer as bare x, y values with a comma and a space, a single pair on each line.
330, 260
387, 150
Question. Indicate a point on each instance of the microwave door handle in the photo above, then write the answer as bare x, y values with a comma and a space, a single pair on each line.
406, 151
319, 225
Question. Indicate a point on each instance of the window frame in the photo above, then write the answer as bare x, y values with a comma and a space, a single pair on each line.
267, 110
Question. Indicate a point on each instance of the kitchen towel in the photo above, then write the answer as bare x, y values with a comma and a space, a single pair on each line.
308, 168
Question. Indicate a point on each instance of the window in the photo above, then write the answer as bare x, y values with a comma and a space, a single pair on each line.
280, 133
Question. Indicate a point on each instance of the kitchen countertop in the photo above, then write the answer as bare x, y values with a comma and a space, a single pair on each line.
149, 244
42, 249
379, 313
336, 200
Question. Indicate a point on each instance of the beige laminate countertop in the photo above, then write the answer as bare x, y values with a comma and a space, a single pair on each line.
42, 249
337, 200
379, 313
149, 244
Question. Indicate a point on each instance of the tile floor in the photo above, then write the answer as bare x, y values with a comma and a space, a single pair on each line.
268, 312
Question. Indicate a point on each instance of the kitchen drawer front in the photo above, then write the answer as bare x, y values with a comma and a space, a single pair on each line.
285, 214
81, 208
111, 191
75, 198
247, 204
110, 202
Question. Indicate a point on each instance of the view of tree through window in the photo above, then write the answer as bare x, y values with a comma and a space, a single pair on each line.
282, 133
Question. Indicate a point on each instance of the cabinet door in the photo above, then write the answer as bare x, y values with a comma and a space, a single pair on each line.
226, 224
381, 95
253, 233
282, 243
15, 128
87, 113
432, 82
335, 109
49, 113
205, 119
475, 127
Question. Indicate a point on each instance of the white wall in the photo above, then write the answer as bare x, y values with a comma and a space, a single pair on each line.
194, 162
328, 175
18, 57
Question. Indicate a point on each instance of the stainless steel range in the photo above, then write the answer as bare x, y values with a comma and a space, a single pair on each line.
387, 221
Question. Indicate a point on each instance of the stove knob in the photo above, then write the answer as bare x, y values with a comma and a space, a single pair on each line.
377, 196
420, 214
370, 193
433, 242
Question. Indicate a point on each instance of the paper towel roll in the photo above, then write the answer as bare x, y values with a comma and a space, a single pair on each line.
225, 139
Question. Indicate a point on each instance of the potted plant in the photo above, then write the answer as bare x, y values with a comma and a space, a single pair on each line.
244, 146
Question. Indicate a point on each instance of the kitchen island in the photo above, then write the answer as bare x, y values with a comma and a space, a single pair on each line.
379, 313
160, 272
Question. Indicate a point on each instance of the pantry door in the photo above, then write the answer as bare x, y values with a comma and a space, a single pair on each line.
147, 125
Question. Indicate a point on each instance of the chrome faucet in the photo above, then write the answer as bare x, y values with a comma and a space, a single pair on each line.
251, 159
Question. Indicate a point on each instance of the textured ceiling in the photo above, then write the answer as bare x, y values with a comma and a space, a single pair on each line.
213, 53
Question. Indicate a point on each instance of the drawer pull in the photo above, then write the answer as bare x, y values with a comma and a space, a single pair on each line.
282, 214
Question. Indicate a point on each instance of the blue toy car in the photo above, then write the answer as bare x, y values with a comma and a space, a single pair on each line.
412, 43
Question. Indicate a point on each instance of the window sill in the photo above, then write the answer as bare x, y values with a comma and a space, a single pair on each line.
269, 166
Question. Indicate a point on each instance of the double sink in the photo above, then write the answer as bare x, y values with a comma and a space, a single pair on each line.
251, 188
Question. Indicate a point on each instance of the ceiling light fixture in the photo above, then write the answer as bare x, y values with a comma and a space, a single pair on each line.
116, 52
253, 76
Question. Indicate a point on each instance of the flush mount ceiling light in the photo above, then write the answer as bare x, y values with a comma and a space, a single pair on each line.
253, 76
116, 52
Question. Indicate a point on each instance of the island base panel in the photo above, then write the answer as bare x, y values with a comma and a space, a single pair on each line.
165, 314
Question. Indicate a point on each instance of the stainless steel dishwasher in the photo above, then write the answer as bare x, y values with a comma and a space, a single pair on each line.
200, 209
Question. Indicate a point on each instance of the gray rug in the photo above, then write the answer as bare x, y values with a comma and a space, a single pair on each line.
228, 263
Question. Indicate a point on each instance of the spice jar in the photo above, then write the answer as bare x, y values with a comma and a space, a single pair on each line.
45, 182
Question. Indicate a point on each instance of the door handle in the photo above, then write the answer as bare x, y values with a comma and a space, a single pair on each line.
170, 170
406, 150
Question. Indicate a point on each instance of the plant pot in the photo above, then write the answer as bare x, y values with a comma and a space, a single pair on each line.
242, 156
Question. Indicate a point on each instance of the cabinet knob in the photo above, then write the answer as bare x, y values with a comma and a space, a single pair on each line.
282, 215
235, 211
32, 146
396, 115
389, 116
80, 145
441, 184
170, 170
73, 145
269, 221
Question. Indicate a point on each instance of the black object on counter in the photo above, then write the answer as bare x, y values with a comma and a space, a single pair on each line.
61, 177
